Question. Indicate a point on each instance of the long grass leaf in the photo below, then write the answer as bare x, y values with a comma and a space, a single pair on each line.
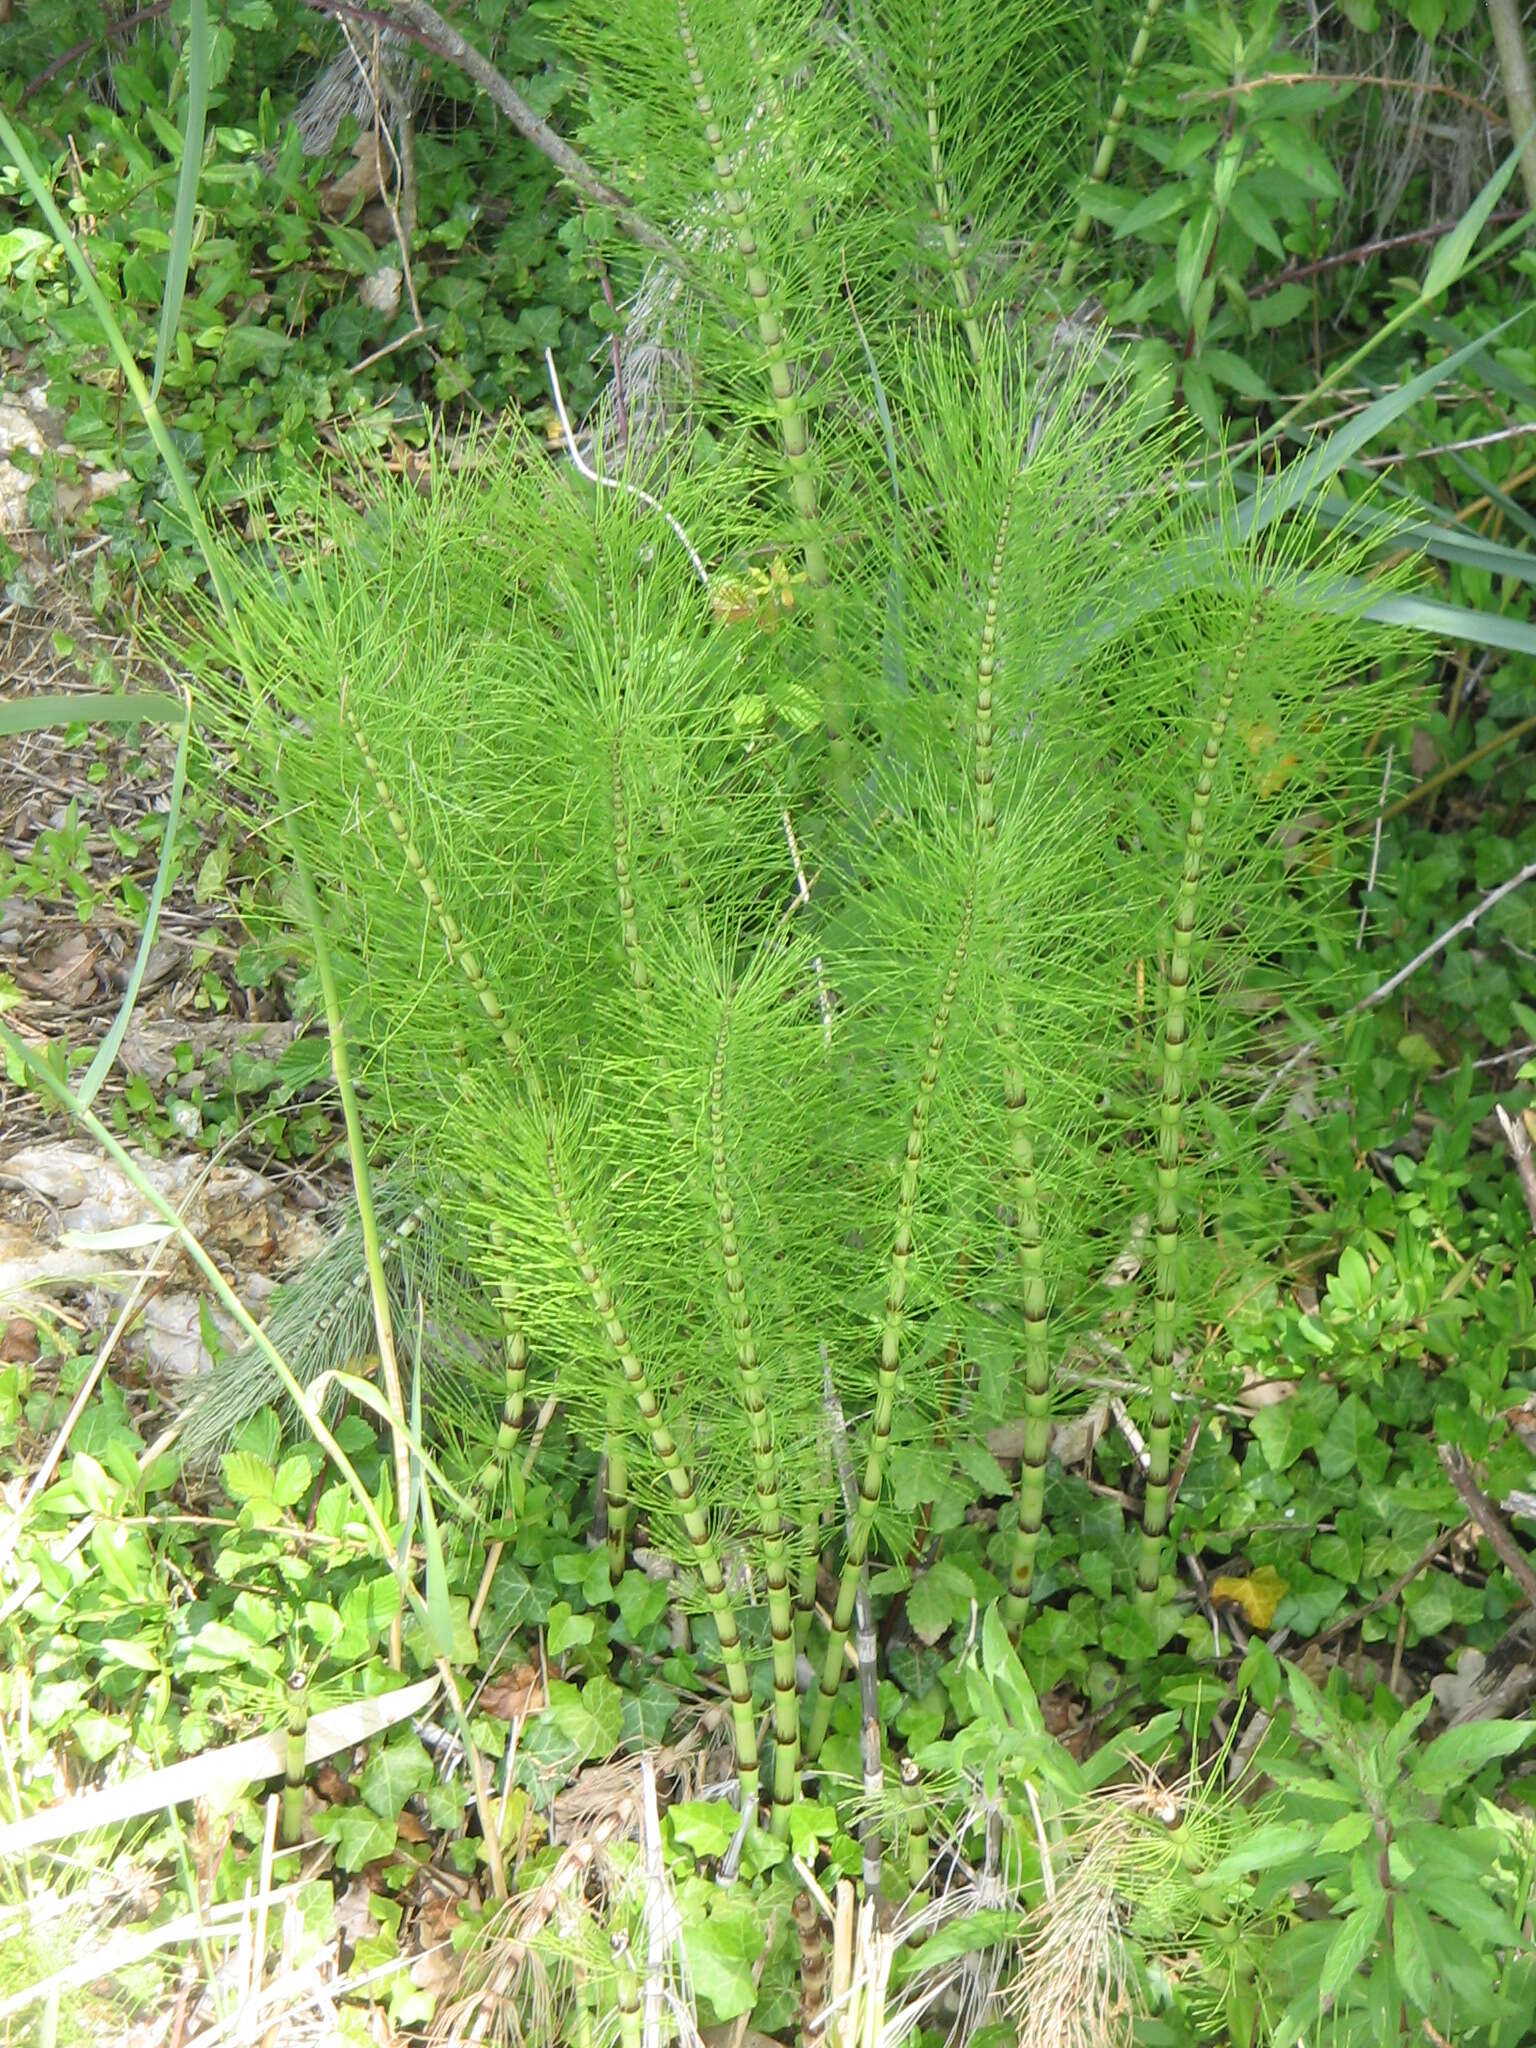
1303, 482
1455, 622
185, 216
107, 1051
1449, 257
50, 714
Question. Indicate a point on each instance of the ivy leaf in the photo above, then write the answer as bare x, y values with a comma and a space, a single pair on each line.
568, 1629
394, 1774
1258, 1595
361, 1836
706, 1826
722, 1950
1350, 1431
939, 1599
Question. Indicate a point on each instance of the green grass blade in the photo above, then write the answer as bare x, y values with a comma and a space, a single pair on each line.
107, 1051
1449, 256
1302, 483
186, 188
122, 707
1455, 622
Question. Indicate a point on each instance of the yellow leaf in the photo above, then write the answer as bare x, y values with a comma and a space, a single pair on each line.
1258, 1595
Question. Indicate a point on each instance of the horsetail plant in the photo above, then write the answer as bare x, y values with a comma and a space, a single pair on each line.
699, 1114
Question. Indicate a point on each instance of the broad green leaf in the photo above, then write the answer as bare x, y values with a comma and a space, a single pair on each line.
1470, 1909
246, 1477
939, 1599
1460, 1753
1351, 1429
1268, 1848
1410, 1950
706, 1826
196, 55
722, 1950
1449, 256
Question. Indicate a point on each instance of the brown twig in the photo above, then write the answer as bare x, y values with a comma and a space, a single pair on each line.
1487, 1517
1430, 86
1426, 1558
1364, 252
111, 31
424, 26
1518, 1139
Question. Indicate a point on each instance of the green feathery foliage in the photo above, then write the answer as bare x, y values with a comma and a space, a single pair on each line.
748, 944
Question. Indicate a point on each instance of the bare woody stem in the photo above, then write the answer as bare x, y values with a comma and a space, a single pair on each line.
781, 1620
862, 1522
679, 1478
1170, 1134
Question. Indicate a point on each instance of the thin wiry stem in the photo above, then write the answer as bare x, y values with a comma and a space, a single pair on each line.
1175, 1034
862, 1524
679, 1477
781, 1621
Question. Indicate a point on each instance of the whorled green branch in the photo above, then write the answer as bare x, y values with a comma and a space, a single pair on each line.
861, 1525
765, 1463
1170, 1133
679, 1477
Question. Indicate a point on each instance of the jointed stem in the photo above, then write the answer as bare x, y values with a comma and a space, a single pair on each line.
1105, 155
793, 427
1154, 1519
514, 1339
664, 1447
786, 1698
958, 278
861, 1525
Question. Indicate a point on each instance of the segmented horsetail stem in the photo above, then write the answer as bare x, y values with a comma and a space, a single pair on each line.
679, 1478
515, 1366
458, 948
960, 282
1175, 1035
294, 1759
781, 1620
1037, 1361
629, 923
514, 1339
916, 1808
986, 668
1105, 154
626, 1989
793, 429
861, 1524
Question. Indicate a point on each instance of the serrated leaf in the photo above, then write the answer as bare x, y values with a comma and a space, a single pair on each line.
246, 1477
1351, 1945
1268, 1848
1472, 1910
1460, 1753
